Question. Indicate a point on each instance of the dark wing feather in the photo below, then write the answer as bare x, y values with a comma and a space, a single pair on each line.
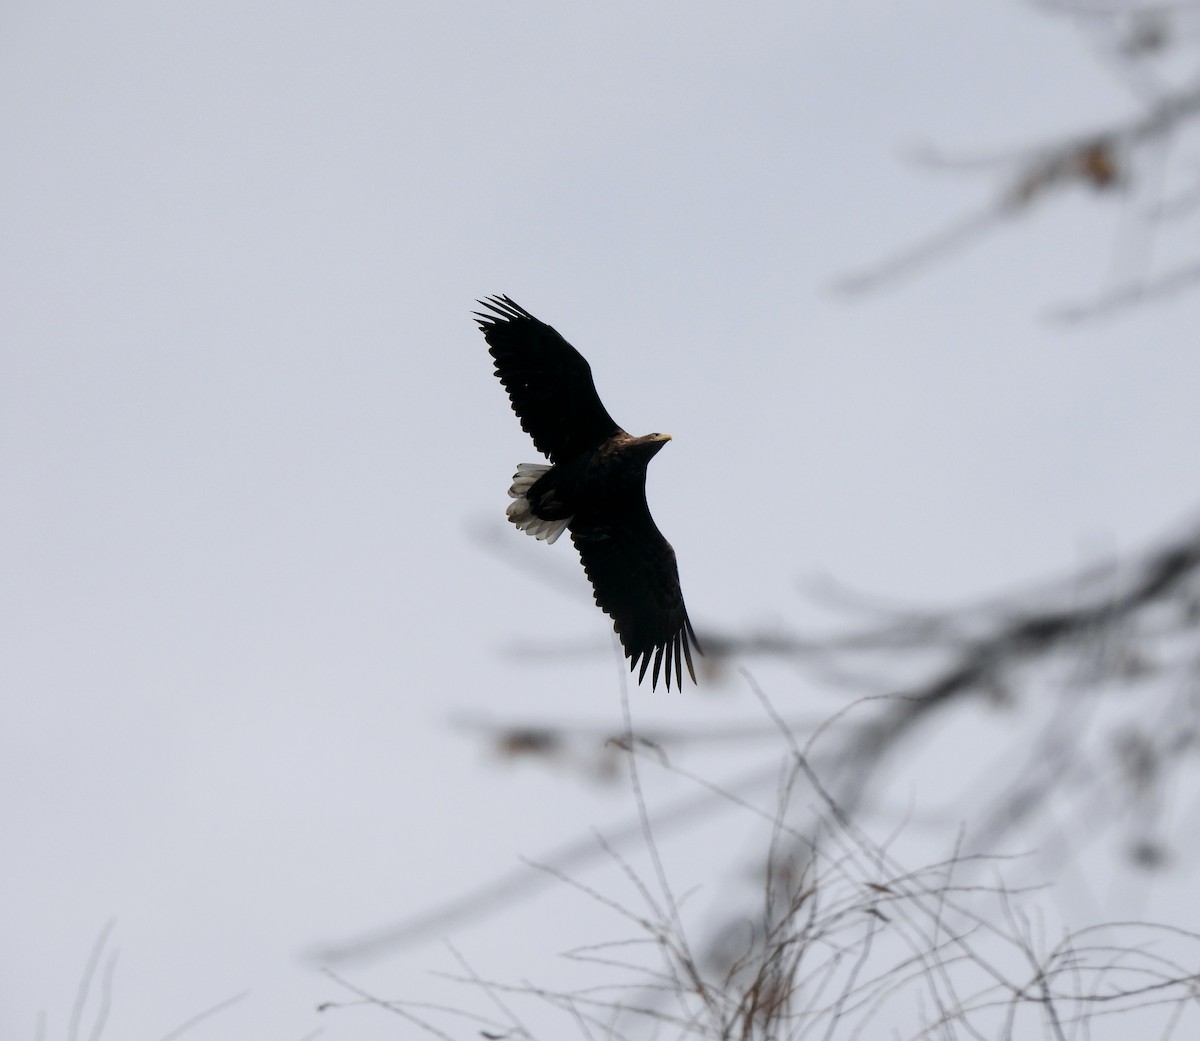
632, 569
548, 381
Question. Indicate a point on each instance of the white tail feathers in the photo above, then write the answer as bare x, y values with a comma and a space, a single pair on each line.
519, 511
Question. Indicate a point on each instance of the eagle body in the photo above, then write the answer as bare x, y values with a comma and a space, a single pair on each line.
594, 487
600, 485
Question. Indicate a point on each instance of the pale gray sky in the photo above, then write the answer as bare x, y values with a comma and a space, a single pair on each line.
254, 459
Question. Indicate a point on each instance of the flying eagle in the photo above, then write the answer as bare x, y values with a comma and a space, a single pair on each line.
595, 488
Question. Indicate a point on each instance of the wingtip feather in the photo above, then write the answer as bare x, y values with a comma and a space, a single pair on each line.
658, 657
665, 661
645, 659
687, 653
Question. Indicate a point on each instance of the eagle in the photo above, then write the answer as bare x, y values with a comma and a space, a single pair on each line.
594, 487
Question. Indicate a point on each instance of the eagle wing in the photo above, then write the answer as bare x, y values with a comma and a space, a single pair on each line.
633, 571
548, 381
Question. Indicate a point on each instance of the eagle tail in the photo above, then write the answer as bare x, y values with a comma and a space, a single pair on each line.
520, 512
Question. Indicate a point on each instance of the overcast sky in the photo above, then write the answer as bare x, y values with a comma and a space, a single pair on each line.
254, 460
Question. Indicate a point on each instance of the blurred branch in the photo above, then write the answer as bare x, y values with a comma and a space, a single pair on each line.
1117, 624
1105, 159
1166, 284
524, 881
857, 940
